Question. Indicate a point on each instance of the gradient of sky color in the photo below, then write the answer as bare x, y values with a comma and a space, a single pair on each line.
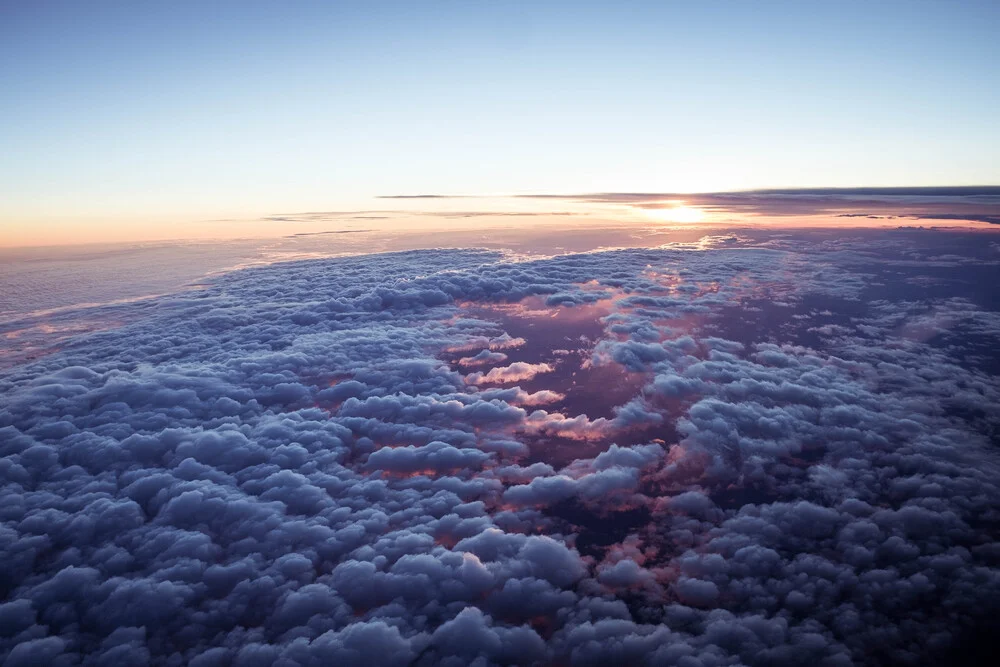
126, 115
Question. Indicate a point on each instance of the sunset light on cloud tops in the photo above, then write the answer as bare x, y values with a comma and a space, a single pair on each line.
646, 334
316, 475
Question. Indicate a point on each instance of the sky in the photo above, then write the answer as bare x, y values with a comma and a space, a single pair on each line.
123, 121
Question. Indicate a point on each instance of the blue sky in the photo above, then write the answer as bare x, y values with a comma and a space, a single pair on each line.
154, 112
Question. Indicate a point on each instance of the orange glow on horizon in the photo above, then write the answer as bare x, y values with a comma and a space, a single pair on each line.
371, 224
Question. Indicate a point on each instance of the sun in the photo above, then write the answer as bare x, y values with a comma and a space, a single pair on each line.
676, 214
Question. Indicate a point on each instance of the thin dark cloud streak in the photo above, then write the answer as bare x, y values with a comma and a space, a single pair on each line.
394, 214
955, 203
973, 203
919, 191
426, 196
335, 231
941, 191
933, 203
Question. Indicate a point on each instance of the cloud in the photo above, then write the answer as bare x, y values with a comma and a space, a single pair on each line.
286, 467
313, 217
993, 219
515, 372
419, 196
338, 231
434, 457
981, 203
483, 358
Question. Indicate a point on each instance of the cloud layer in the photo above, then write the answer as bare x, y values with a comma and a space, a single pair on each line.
334, 462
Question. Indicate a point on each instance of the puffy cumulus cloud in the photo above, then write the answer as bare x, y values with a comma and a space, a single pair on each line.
518, 371
601, 485
483, 358
471, 636
433, 457
503, 341
541, 397
580, 427
283, 469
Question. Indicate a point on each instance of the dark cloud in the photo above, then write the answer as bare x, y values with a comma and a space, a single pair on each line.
932, 203
993, 219
337, 216
422, 196
338, 231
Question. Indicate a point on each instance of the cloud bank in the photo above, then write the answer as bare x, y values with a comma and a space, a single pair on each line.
286, 468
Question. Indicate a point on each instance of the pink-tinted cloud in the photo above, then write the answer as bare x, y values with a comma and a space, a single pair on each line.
484, 358
516, 372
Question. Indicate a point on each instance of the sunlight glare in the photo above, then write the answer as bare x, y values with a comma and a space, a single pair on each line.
676, 214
